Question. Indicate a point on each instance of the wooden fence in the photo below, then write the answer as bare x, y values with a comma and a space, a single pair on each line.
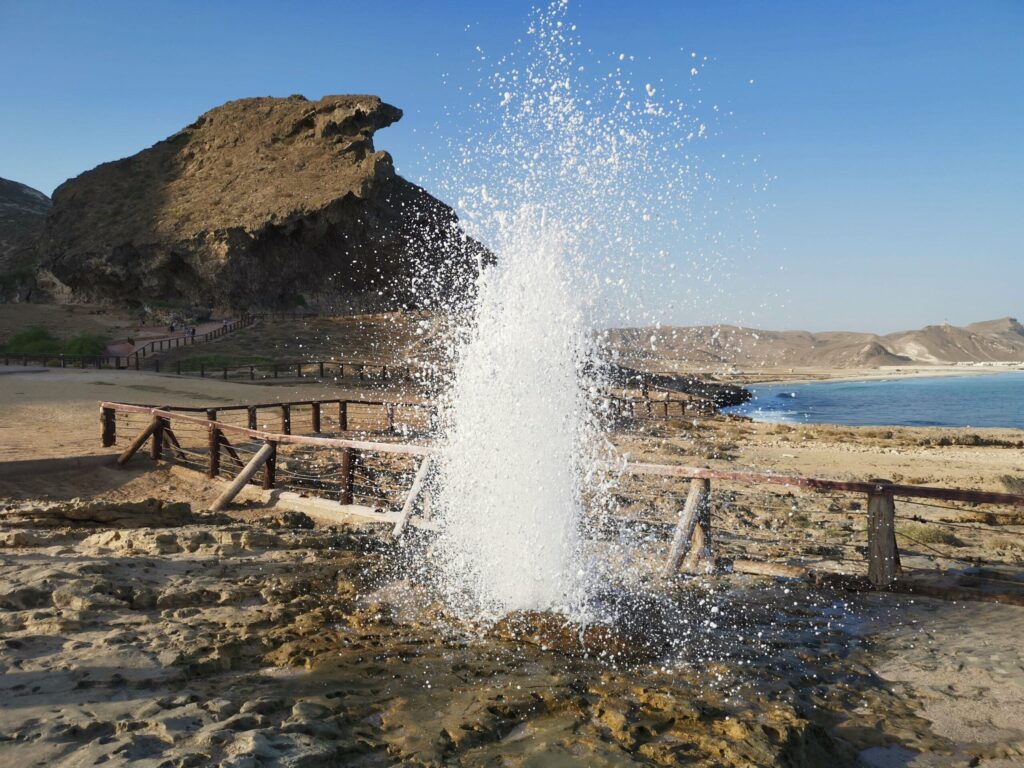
301, 369
176, 342
132, 360
287, 445
309, 369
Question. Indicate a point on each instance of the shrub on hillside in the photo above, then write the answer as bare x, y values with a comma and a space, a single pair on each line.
41, 341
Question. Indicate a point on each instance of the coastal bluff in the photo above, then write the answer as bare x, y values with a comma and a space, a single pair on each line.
260, 203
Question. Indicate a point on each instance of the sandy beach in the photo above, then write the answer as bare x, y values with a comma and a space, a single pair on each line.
751, 376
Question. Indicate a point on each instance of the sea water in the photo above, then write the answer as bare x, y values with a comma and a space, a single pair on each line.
984, 400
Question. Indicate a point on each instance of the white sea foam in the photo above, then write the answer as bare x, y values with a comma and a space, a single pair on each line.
516, 432
580, 182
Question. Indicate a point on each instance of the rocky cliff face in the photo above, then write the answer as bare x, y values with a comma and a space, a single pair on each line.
22, 213
262, 202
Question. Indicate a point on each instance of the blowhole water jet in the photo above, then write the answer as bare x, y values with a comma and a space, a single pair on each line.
578, 180
517, 422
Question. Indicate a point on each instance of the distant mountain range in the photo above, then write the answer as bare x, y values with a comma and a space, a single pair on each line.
671, 347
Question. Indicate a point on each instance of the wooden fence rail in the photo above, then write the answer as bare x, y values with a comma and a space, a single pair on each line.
176, 342
691, 547
303, 369
882, 550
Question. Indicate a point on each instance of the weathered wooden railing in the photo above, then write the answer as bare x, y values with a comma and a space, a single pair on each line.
131, 360
234, 443
667, 406
330, 412
346, 469
301, 369
185, 340
692, 547
58, 360
356, 370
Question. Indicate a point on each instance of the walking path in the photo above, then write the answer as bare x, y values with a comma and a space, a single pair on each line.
145, 334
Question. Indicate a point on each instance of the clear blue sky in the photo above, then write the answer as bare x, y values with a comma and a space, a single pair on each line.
895, 129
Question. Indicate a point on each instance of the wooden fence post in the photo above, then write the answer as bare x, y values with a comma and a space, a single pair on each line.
342, 416
252, 372
316, 417
410, 500
286, 419
346, 476
270, 470
389, 409
697, 505
252, 417
156, 448
213, 445
321, 369
138, 442
108, 418
883, 556
701, 544
263, 455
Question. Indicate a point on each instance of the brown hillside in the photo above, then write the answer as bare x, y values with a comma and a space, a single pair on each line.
678, 347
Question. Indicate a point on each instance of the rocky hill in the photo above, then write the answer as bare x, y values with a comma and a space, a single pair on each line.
260, 203
22, 214
671, 348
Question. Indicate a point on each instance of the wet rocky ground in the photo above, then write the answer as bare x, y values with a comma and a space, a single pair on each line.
142, 633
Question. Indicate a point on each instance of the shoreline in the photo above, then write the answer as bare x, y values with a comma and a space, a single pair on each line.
825, 375
889, 401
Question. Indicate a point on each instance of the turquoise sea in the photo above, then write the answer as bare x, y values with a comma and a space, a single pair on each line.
987, 400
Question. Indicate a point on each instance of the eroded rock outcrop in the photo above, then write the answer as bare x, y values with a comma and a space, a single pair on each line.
262, 202
22, 214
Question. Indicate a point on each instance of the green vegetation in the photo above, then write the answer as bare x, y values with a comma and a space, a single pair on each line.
41, 341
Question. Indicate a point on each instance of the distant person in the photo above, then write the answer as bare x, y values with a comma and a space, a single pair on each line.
192, 332
224, 324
